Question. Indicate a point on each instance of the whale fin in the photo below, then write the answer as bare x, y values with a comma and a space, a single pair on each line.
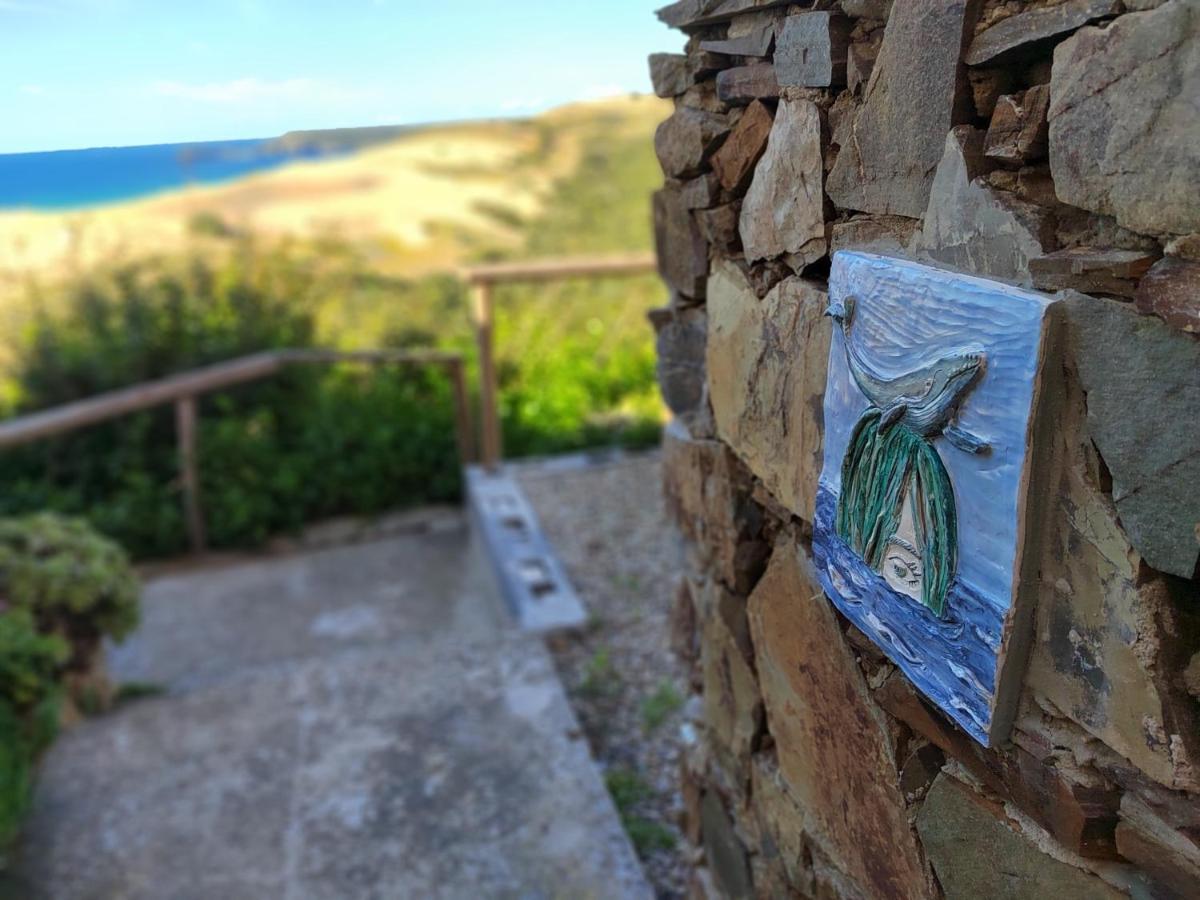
892, 415
965, 441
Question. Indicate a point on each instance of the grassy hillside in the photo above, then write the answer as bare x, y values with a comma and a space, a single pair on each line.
576, 360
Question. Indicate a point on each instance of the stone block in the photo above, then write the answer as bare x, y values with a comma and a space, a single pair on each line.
744, 84
1122, 119
1171, 291
834, 745
724, 851
691, 14
913, 100
685, 141
781, 822
1142, 379
682, 253
1017, 133
810, 50
878, 10
1079, 810
670, 74
680, 341
733, 711
886, 235
708, 494
783, 212
1110, 641
756, 41
734, 162
977, 851
719, 226
701, 192
1162, 839
999, 43
1094, 270
860, 62
767, 362
973, 227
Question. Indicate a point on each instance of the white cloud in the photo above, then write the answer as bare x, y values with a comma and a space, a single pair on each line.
35, 90
522, 104
602, 91
255, 90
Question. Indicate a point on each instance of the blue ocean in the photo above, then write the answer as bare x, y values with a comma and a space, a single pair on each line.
67, 179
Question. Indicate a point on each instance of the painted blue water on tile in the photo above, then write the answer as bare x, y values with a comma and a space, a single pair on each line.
952, 660
908, 315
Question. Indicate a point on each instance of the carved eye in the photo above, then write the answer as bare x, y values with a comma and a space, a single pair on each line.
928, 383
905, 570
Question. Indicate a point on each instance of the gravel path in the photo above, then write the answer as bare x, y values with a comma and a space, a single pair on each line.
607, 523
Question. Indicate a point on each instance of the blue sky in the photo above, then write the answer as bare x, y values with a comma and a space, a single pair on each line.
93, 73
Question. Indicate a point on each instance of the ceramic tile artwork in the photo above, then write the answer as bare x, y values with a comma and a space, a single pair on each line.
922, 503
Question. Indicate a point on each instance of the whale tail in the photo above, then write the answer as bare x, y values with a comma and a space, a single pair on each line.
842, 313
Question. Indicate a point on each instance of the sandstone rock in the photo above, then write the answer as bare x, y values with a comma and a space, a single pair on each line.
977, 851
1142, 380
684, 142
743, 84
911, 102
783, 213
1185, 246
681, 336
1171, 291
669, 74
707, 493
995, 43
1080, 812
755, 42
810, 50
689, 14
701, 192
886, 235
987, 86
1122, 119
685, 632
1017, 133
733, 711
867, 9
734, 162
860, 62
973, 227
1170, 854
834, 745
1094, 270
781, 821
682, 253
703, 96
724, 851
719, 226
767, 362
1107, 629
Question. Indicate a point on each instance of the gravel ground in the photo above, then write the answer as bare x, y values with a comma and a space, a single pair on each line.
607, 524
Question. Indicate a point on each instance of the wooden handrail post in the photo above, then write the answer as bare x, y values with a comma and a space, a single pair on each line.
462, 411
189, 474
489, 416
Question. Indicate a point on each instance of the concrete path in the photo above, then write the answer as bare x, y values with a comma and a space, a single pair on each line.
358, 722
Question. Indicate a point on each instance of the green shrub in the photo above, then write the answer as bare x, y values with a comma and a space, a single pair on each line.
30, 666
68, 577
30, 662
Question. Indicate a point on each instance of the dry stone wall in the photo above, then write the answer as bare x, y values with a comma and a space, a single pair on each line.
1055, 145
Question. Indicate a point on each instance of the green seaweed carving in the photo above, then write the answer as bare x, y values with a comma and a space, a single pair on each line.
882, 467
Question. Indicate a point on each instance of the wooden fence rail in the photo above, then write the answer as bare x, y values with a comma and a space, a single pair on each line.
183, 389
483, 279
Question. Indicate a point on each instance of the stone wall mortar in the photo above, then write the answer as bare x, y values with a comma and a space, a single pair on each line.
1046, 144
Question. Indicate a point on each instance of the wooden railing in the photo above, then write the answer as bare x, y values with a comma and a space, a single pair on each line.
483, 280
183, 389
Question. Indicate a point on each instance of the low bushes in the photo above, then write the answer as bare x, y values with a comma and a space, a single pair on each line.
63, 589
